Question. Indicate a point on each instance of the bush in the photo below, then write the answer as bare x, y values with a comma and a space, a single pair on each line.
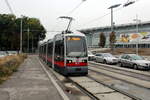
10, 64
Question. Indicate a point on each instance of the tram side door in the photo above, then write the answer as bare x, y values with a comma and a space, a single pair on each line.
59, 53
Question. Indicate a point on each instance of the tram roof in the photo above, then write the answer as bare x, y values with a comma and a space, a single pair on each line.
72, 33
75, 33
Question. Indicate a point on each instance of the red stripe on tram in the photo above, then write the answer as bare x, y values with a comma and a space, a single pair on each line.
77, 64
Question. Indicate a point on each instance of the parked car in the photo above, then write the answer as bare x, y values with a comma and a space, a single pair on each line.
134, 61
12, 52
91, 56
3, 54
106, 58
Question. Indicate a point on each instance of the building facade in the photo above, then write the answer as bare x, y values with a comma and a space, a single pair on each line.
125, 34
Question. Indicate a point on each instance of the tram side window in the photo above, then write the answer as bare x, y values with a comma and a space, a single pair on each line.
42, 50
59, 51
45, 49
50, 50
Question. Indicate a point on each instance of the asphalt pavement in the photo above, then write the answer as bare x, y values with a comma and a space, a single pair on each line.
30, 82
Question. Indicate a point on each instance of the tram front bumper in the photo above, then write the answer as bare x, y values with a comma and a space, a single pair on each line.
77, 70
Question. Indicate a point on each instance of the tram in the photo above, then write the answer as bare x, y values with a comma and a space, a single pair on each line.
66, 53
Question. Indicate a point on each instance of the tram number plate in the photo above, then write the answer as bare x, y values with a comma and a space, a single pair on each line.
78, 69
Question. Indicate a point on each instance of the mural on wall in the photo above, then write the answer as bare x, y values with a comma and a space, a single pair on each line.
124, 38
133, 37
146, 37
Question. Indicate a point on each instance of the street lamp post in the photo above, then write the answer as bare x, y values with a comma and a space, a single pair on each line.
137, 30
111, 8
112, 25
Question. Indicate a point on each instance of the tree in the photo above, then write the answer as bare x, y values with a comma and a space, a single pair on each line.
112, 40
36, 32
7, 31
102, 40
10, 32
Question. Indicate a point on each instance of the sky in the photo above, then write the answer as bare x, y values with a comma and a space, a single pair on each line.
88, 13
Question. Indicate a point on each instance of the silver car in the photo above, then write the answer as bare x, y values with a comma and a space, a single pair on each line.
12, 52
134, 61
106, 58
91, 56
3, 54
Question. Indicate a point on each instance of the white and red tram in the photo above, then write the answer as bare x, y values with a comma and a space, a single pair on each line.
66, 53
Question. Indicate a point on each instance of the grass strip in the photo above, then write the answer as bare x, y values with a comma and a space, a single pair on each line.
10, 64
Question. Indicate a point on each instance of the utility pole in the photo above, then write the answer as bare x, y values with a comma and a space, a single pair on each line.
112, 25
32, 43
28, 39
137, 30
111, 8
21, 35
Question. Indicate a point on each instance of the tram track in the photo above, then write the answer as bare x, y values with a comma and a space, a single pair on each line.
100, 91
100, 73
83, 89
133, 87
124, 72
142, 73
121, 77
120, 91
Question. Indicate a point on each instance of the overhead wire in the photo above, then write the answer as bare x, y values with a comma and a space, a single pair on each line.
71, 11
10, 9
75, 8
98, 18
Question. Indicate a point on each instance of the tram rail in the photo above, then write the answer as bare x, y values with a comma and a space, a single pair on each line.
89, 84
145, 73
130, 87
124, 78
124, 72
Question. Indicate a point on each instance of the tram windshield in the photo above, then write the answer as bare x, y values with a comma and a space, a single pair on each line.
76, 46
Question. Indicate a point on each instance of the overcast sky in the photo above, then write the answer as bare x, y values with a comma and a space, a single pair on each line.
89, 14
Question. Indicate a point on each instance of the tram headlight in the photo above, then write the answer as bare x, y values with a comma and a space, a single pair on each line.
85, 61
69, 61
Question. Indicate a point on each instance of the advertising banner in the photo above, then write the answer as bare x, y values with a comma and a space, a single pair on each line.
133, 37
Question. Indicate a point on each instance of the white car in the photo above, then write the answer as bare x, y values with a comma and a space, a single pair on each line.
12, 52
91, 56
106, 58
3, 54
